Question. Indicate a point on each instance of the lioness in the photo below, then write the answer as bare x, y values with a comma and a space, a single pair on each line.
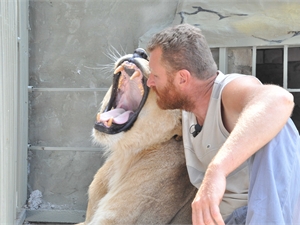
144, 179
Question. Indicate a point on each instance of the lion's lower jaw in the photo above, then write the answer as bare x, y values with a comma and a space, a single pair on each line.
106, 141
130, 148
136, 140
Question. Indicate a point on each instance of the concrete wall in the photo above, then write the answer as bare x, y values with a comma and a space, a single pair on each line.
70, 41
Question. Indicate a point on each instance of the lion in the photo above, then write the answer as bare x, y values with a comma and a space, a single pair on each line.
144, 179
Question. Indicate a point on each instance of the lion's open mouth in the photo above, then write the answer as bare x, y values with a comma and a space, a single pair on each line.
128, 95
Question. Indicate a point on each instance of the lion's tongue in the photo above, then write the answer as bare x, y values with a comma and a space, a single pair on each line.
122, 118
111, 114
119, 115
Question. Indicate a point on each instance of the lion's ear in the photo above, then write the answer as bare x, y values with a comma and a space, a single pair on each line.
178, 132
178, 137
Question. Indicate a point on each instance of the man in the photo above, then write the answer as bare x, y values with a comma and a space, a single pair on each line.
245, 128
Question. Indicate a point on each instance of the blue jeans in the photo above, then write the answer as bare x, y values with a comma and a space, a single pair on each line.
274, 191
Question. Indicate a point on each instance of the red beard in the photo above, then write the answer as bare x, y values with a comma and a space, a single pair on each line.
170, 98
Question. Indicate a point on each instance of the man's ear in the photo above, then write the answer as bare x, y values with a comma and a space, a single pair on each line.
182, 77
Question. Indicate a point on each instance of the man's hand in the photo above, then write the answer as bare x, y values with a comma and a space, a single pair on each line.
209, 196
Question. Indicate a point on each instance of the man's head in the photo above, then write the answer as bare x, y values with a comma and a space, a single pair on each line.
178, 54
184, 47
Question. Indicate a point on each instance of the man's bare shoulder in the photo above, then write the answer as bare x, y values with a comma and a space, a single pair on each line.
235, 96
239, 91
248, 90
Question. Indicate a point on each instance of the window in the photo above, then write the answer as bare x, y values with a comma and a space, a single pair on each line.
278, 65
281, 66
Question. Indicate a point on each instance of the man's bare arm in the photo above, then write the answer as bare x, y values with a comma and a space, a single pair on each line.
253, 114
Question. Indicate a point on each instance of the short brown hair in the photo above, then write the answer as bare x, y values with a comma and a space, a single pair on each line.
184, 47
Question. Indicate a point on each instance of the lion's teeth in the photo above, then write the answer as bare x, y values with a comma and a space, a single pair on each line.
98, 117
120, 81
128, 65
119, 69
141, 89
109, 122
135, 74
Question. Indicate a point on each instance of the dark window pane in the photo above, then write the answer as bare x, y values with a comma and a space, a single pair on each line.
296, 111
269, 67
294, 68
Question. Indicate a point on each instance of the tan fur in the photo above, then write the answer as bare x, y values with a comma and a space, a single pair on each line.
144, 179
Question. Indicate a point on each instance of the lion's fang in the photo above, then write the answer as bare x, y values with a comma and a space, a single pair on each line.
119, 69
98, 117
120, 81
109, 122
135, 74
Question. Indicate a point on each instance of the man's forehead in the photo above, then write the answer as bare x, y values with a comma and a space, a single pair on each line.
152, 62
154, 58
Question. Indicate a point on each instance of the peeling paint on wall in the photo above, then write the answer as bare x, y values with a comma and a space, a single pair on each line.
250, 23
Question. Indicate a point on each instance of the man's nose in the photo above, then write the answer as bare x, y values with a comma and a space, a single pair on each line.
150, 81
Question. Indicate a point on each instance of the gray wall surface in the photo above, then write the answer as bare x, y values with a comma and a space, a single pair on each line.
70, 41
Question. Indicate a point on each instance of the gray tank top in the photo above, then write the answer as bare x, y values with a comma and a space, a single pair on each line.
200, 150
